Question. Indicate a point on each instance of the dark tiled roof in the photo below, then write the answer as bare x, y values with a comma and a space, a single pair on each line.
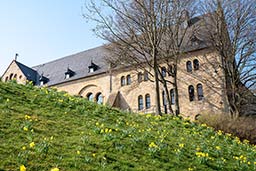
78, 63
28, 72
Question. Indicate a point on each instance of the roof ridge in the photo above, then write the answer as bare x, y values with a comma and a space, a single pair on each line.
19, 63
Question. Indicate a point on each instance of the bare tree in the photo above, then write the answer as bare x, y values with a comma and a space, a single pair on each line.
231, 32
138, 32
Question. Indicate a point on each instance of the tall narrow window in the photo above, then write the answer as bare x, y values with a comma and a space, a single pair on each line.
172, 94
122, 81
196, 64
189, 66
139, 77
15, 76
99, 98
191, 93
6, 79
147, 99
146, 76
164, 101
140, 102
163, 70
90, 97
170, 70
128, 80
200, 93
11, 76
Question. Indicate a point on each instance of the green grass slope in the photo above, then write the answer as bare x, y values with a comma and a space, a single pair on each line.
41, 129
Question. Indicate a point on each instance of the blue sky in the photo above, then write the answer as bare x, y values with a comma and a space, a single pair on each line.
42, 30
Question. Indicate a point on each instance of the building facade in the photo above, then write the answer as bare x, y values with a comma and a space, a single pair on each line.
87, 74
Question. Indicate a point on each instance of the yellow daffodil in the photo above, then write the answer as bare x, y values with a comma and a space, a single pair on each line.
27, 117
32, 145
25, 128
152, 145
23, 148
55, 169
78, 152
106, 130
201, 154
22, 168
218, 147
181, 145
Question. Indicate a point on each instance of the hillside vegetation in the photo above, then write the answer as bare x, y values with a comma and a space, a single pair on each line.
42, 129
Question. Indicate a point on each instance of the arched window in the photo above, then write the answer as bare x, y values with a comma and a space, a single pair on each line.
20, 77
196, 64
170, 70
200, 93
146, 76
99, 98
189, 66
147, 100
172, 94
139, 77
163, 70
11, 76
90, 97
6, 79
140, 102
128, 80
15, 76
164, 101
122, 81
191, 93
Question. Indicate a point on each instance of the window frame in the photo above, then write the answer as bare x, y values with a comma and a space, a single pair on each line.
172, 96
164, 71
191, 93
200, 92
90, 97
122, 81
128, 80
140, 77
140, 103
97, 98
189, 66
147, 101
146, 78
196, 64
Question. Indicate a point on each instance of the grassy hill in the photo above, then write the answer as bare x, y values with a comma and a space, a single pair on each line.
41, 129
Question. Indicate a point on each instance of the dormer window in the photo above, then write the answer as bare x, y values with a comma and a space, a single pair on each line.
93, 67
43, 80
67, 76
41, 83
69, 73
91, 70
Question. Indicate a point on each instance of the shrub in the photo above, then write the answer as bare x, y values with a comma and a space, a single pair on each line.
243, 127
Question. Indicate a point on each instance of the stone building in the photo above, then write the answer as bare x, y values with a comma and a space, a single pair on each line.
87, 74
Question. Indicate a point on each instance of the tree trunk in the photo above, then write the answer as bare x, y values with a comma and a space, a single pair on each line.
157, 97
168, 97
177, 105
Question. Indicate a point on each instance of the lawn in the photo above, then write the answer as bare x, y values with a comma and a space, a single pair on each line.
42, 129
